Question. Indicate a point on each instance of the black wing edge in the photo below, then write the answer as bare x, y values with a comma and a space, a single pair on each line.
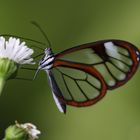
56, 92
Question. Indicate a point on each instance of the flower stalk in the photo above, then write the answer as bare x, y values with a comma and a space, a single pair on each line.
8, 69
2, 84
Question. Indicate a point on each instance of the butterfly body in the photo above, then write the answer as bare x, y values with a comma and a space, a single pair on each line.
47, 61
80, 76
46, 64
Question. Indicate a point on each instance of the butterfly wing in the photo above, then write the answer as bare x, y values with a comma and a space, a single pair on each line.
80, 84
115, 60
85, 72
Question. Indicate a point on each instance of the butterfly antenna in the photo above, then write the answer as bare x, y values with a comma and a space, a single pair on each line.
24, 38
43, 33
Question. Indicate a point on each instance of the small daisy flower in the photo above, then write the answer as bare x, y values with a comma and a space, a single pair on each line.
13, 53
25, 131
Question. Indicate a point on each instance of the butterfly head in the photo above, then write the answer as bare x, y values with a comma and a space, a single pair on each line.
48, 51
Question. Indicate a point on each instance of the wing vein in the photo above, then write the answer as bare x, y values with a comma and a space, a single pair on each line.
124, 55
117, 67
67, 87
86, 79
120, 60
66, 83
110, 73
81, 89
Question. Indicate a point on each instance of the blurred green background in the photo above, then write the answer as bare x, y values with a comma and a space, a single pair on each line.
70, 23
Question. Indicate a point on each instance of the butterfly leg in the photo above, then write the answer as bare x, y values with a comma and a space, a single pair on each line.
27, 79
20, 78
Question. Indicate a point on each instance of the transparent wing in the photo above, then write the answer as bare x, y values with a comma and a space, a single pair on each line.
79, 87
115, 60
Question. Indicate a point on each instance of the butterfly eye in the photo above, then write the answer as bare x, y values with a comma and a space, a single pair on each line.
48, 51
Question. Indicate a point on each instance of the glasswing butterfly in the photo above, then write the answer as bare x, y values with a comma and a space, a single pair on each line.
80, 76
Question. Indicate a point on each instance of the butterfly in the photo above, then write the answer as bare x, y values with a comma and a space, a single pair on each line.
82, 75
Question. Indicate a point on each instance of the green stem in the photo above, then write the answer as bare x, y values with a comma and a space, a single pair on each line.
2, 83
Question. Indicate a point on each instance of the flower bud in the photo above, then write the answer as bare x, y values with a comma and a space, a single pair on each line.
18, 131
14, 132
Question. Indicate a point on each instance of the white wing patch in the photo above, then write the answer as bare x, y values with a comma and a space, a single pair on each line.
137, 53
111, 49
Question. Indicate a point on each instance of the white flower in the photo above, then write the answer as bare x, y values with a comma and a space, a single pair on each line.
31, 130
16, 51
12, 54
